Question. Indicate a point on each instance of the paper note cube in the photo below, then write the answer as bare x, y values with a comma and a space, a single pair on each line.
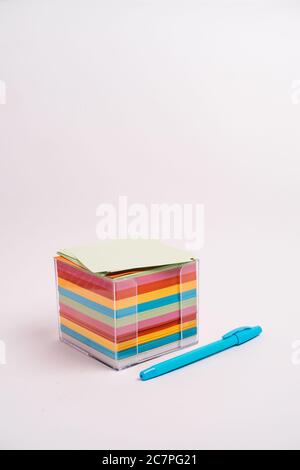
123, 302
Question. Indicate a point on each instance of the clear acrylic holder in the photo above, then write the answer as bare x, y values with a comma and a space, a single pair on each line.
119, 332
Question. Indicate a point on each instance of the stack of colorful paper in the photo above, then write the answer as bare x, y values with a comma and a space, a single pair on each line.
123, 318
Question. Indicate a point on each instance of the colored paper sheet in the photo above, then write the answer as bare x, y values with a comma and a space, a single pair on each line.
119, 255
123, 317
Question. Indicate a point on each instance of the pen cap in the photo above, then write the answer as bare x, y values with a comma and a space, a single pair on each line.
244, 334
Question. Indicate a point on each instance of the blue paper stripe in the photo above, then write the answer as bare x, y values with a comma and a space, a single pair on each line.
131, 351
123, 312
170, 299
167, 339
88, 303
87, 341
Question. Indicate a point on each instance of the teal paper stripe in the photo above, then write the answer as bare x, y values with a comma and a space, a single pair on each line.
123, 312
131, 351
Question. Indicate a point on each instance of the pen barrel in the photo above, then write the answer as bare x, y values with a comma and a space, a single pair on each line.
188, 358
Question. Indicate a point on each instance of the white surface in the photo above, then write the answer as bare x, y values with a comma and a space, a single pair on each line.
161, 101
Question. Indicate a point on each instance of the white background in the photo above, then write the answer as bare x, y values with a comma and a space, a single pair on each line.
161, 101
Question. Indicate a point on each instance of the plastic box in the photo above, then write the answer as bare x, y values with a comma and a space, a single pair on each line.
124, 318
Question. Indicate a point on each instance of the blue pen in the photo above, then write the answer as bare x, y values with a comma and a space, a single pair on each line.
233, 338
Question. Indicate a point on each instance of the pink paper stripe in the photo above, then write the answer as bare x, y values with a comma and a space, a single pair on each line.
188, 313
108, 284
